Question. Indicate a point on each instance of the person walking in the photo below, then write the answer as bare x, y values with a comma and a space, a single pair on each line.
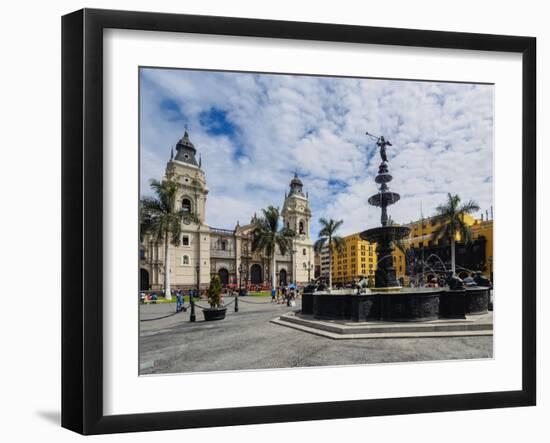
179, 300
273, 294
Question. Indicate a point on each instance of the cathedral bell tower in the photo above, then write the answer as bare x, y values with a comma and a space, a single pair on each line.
188, 174
194, 249
297, 216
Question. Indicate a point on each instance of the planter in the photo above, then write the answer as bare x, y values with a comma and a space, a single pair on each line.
214, 314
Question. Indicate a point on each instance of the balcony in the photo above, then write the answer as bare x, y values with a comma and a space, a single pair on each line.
222, 253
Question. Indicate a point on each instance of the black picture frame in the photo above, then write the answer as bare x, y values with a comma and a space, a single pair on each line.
82, 216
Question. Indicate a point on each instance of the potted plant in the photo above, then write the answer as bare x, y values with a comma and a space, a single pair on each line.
214, 300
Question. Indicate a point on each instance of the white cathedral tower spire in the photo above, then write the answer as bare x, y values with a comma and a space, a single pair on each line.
297, 216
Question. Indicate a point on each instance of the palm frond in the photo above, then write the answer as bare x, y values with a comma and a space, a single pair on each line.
329, 227
287, 232
336, 225
465, 232
267, 236
323, 222
284, 243
338, 243
271, 216
442, 231
149, 205
469, 207
158, 215
320, 244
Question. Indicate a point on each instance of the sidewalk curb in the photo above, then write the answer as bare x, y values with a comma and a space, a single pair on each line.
465, 328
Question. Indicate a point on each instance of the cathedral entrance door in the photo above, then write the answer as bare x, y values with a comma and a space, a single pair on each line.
256, 274
143, 279
224, 276
283, 277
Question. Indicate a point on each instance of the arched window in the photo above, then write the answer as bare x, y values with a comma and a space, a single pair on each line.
305, 266
186, 206
301, 227
185, 260
223, 245
304, 252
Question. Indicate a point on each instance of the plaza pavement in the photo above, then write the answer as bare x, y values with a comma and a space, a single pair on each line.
247, 339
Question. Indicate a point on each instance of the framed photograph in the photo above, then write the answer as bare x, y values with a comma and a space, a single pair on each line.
269, 221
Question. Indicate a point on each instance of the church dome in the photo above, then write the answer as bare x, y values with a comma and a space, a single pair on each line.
185, 142
296, 185
185, 151
296, 180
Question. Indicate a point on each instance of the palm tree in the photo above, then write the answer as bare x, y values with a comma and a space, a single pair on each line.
267, 237
328, 237
451, 216
160, 219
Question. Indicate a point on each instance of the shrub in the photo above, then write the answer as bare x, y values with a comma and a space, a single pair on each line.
214, 292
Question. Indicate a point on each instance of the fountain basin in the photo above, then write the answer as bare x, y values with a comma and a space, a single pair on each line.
389, 233
422, 305
307, 303
388, 289
406, 305
364, 307
477, 300
452, 304
384, 198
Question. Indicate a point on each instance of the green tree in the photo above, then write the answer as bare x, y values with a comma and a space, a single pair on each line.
328, 237
160, 218
214, 292
451, 216
267, 237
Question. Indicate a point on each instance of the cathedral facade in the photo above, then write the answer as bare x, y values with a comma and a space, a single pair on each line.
205, 251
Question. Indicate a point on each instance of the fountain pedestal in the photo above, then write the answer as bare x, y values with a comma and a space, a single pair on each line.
385, 236
385, 277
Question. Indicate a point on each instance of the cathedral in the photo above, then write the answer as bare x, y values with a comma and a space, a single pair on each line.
205, 251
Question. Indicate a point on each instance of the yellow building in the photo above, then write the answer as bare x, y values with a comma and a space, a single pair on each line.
484, 228
422, 232
358, 260
422, 237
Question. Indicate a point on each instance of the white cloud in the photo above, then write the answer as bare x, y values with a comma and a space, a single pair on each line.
442, 136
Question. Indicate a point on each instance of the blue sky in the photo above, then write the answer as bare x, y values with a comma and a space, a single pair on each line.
254, 130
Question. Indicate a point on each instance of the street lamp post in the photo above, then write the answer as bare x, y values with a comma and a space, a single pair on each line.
294, 265
193, 317
240, 287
